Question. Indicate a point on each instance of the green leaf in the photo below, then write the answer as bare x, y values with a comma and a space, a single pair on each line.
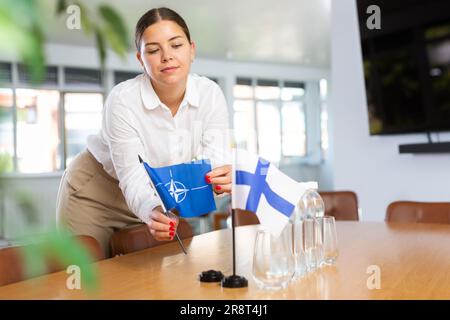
33, 56
20, 38
101, 48
35, 264
61, 6
25, 12
114, 41
87, 25
115, 30
27, 207
63, 248
6, 163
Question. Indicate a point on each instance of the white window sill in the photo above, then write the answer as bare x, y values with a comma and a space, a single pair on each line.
307, 161
17, 175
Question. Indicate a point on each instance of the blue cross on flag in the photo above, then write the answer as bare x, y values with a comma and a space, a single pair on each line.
258, 186
183, 187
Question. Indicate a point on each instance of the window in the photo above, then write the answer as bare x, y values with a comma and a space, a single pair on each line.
269, 117
50, 77
6, 131
293, 119
81, 77
38, 138
323, 116
5, 73
120, 76
42, 127
244, 115
83, 117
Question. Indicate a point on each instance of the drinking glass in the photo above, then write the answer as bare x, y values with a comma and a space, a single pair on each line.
330, 244
310, 244
311, 209
311, 204
299, 249
318, 238
273, 259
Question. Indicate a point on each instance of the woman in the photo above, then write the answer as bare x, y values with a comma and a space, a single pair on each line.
167, 116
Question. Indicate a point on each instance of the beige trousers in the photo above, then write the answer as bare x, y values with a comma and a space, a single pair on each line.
90, 201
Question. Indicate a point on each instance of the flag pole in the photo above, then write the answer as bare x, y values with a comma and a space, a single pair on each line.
234, 281
234, 242
164, 209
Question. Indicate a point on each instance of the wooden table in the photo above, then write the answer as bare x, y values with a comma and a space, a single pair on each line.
414, 260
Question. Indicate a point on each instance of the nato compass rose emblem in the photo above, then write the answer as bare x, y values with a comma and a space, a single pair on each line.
177, 190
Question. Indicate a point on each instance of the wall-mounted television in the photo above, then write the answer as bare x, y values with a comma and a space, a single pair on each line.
406, 65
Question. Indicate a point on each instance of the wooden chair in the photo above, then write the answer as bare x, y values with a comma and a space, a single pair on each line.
422, 212
219, 218
342, 205
138, 237
245, 218
12, 267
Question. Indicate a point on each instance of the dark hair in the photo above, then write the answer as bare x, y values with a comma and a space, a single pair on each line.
154, 15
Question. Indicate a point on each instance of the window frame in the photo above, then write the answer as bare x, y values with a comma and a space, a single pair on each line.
284, 159
62, 89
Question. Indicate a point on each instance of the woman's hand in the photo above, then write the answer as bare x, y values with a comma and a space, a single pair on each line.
220, 178
161, 227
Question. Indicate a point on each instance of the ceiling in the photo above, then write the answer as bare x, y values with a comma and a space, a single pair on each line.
288, 31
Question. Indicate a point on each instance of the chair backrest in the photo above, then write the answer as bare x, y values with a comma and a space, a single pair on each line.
138, 237
342, 205
245, 218
412, 211
12, 267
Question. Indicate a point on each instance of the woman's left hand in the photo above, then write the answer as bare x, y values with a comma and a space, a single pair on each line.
220, 178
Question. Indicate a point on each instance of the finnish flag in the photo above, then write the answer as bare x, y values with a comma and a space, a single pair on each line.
258, 186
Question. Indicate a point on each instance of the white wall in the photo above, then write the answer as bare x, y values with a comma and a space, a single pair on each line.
371, 165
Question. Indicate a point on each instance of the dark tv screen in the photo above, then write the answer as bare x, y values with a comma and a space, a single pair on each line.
406, 65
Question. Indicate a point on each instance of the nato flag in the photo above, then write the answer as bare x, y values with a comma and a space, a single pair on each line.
183, 187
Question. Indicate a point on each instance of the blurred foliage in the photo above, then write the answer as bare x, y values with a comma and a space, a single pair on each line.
6, 163
57, 247
21, 31
22, 36
105, 24
27, 207
60, 247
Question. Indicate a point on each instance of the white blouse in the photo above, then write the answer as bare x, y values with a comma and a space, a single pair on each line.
135, 122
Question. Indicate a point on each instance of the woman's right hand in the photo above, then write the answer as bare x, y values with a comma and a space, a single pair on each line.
161, 227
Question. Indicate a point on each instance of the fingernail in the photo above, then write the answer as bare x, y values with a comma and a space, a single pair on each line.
171, 233
207, 179
218, 187
172, 229
172, 224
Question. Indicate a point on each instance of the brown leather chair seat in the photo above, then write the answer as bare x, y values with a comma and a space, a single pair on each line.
138, 237
245, 218
12, 267
342, 205
413, 211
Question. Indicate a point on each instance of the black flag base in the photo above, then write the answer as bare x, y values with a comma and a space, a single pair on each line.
211, 276
234, 281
